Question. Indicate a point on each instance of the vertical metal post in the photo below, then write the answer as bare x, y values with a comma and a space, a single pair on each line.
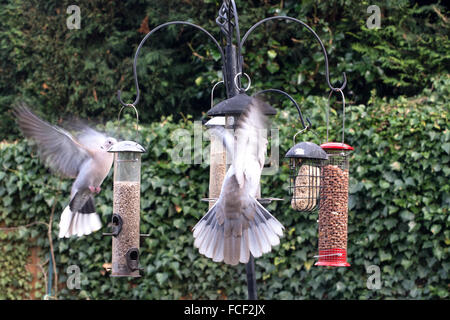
227, 20
251, 279
231, 68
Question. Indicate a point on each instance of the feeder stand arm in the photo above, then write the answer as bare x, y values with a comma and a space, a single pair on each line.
324, 51
136, 56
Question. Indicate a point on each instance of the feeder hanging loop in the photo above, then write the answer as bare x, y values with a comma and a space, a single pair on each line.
343, 112
131, 105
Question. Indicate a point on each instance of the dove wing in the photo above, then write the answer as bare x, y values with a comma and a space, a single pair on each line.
251, 143
91, 138
59, 150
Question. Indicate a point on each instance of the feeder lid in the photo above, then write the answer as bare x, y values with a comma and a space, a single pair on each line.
126, 146
336, 146
236, 106
215, 121
307, 150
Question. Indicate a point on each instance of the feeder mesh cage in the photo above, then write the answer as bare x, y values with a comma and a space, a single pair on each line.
305, 183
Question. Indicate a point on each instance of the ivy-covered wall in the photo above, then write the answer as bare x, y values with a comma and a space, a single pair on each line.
398, 219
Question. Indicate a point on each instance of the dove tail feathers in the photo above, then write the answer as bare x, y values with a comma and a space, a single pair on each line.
209, 235
79, 223
233, 241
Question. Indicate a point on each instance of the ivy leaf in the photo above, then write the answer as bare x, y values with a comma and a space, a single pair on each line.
446, 147
272, 67
272, 54
435, 228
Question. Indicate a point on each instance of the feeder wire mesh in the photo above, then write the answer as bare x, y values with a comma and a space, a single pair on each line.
305, 183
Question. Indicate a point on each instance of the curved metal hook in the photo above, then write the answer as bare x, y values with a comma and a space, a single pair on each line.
136, 56
327, 73
292, 100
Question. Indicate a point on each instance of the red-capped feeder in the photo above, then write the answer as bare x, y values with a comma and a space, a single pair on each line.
333, 208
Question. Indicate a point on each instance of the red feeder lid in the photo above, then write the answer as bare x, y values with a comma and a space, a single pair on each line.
336, 146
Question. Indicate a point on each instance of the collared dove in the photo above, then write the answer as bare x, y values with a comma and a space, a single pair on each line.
237, 224
84, 158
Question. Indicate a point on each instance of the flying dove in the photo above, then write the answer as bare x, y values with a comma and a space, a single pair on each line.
84, 158
237, 224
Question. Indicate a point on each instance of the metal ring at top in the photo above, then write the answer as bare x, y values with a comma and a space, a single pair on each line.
249, 81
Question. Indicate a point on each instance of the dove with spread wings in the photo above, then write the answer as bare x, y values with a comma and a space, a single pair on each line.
83, 158
237, 225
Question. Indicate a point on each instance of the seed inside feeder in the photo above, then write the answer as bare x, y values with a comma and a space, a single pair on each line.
127, 205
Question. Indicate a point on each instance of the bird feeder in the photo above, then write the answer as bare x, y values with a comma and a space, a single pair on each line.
333, 209
126, 209
217, 155
217, 160
306, 162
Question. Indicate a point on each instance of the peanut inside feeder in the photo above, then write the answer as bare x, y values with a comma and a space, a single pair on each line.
333, 209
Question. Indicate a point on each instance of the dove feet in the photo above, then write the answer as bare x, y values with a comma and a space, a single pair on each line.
94, 189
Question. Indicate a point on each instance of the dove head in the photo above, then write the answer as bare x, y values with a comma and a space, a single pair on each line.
108, 143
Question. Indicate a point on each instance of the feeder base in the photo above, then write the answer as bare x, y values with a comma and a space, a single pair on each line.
332, 258
131, 275
332, 264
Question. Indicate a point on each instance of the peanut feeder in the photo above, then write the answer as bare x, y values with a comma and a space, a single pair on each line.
333, 209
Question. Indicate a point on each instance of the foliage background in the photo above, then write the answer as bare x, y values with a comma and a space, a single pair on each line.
397, 120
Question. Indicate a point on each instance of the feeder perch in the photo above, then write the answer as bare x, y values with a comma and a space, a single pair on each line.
333, 209
306, 162
126, 209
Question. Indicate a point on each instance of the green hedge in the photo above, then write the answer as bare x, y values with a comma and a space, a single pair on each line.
398, 217
61, 71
